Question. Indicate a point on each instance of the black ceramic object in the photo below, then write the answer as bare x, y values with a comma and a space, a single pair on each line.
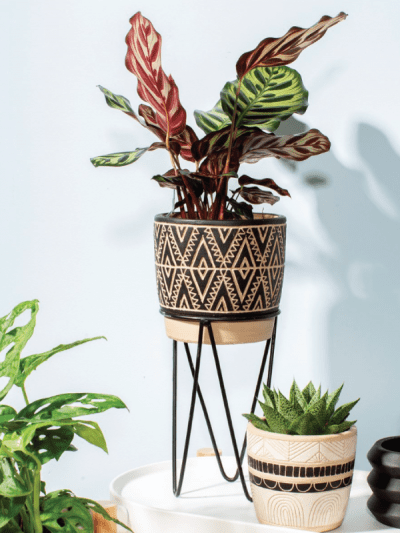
384, 480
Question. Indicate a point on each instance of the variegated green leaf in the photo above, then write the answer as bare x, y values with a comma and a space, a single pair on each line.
30, 363
18, 336
10, 507
116, 101
213, 120
267, 96
121, 159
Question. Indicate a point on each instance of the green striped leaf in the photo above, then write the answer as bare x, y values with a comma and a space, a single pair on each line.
121, 159
116, 101
267, 96
213, 120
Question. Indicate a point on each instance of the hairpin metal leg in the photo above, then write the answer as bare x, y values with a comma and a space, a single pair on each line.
177, 488
196, 391
207, 418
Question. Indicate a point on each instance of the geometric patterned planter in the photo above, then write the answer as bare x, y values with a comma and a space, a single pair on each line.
225, 269
301, 481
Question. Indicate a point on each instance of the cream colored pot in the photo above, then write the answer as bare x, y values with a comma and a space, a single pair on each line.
301, 481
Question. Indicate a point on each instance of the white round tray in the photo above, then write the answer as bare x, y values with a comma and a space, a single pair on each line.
208, 504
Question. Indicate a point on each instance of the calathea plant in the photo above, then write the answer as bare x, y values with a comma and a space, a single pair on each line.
238, 129
306, 412
43, 430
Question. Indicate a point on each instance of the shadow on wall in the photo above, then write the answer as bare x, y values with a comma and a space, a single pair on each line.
360, 211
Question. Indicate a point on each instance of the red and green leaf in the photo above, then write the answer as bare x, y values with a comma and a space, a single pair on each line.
185, 139
284, 50
171, 180
214, 165
241, 209
254, 195
216, 141
267, 182
143, 59
294, 147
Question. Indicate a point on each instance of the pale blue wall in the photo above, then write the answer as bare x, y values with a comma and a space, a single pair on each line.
79, 238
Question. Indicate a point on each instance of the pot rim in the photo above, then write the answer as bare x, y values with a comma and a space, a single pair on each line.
304, 438
261, 219
379, 443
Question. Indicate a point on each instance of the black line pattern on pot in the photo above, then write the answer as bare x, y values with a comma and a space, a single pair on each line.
300, 471
219, 269
281, 486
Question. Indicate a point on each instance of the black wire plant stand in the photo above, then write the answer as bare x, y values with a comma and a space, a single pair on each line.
269, 350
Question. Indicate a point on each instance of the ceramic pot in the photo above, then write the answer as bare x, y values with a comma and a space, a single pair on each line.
229, 270
384, 480
298, 481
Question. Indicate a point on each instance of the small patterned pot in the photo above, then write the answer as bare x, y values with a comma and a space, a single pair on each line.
219, 269
301, 481
384, 480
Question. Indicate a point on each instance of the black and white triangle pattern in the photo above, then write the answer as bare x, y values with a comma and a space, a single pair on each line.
219, 270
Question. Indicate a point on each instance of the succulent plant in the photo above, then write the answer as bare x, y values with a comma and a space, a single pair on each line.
306, 412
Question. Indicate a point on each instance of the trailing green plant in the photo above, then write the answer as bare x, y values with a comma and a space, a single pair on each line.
43, 430
306, 412
239, 128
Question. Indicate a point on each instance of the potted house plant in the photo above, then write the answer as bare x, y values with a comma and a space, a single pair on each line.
215, 258
301, 458
42, 431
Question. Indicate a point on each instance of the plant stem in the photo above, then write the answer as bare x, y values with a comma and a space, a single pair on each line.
178, 194
223, 183
25, 395
33, 499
